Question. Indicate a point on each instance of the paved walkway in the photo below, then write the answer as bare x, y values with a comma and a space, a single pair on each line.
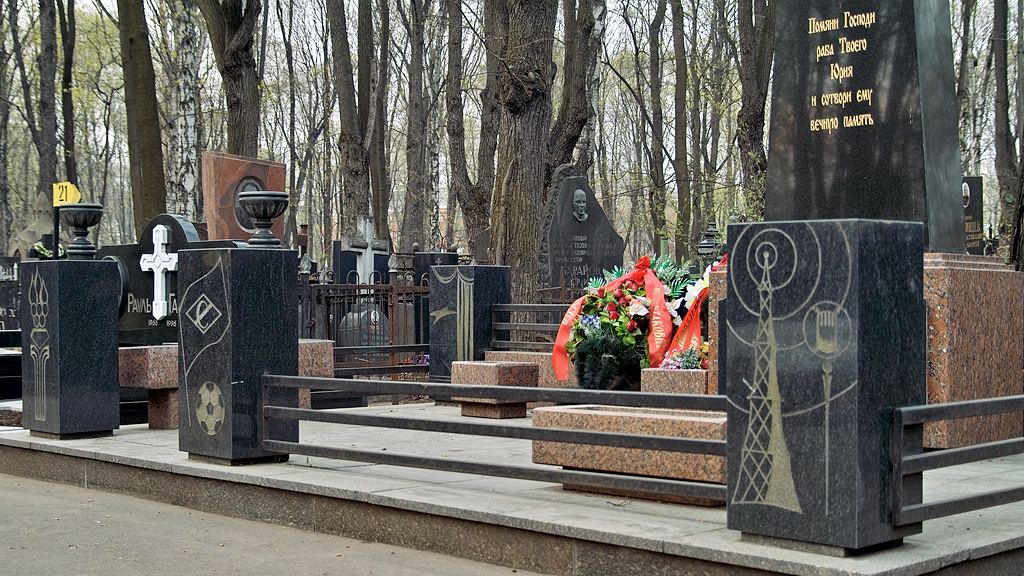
51, 528
584, 521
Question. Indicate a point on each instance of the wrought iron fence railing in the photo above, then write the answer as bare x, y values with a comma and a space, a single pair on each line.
908, 459
659, 486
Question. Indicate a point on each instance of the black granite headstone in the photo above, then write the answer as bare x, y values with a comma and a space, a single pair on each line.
826, 336
460, 313
361, 259
143, 322
10, 291
421, 264
578, 241
974, 214
69, 341
238, 322
864, 116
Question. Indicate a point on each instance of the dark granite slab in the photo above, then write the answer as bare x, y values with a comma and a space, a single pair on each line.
825, 334
238, 323
460, 313
69, 363
578, 242
139, 324
864, 116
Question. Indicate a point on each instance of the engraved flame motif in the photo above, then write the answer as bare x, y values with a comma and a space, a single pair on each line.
38, 301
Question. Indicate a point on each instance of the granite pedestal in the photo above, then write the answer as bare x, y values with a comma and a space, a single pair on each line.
239, 323
154, 369
69, 336
826, 336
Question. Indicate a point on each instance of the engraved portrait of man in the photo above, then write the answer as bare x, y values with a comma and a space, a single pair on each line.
579, 202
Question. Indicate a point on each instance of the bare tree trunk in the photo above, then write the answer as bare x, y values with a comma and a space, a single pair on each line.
149, 188
67, 34
44, 133
1006, 162
378, 163
415, 143
6, 216
582, 45
963, 84
657, 191
757, 46
187, 100
232, 28
680, 161
355, 175
474, 199
525, 91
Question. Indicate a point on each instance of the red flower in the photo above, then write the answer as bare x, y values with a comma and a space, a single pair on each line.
630, 285
617, 293
704, 363
623, 302
613, 315
611, 306
631, 326
600, 292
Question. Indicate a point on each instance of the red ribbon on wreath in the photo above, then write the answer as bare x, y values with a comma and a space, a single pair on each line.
688, 334
660, 322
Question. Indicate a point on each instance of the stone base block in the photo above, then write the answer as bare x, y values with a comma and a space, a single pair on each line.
646, 421
316, 360
674, 381
975, 344
546, 372
163, 409
495, 411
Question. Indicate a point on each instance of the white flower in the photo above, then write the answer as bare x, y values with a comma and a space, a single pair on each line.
694, 290
673, 307
637, 308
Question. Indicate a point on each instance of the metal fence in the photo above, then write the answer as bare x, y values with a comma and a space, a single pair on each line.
377, 329
908, 460
657, 486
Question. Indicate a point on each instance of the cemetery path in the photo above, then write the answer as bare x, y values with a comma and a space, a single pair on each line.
51, 528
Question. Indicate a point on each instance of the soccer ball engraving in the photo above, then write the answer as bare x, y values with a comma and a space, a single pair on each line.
210, 411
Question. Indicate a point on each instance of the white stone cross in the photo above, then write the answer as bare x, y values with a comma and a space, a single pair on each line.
160, 262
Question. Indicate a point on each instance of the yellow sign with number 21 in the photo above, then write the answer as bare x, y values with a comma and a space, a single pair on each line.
66, 193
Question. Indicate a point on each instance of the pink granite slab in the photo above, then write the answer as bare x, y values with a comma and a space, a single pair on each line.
545, 376
674, 381
975, 344
645, 421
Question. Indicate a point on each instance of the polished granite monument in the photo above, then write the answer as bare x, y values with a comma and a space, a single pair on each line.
825, 337
864, 116
69, 337
239, 322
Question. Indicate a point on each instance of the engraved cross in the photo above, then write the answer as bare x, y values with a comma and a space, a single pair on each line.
160, 262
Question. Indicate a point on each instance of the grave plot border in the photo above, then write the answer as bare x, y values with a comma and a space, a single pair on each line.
906, 462
678, 488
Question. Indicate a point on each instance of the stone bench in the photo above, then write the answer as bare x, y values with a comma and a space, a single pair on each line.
705, 425
546, 371
493, 374
155, 369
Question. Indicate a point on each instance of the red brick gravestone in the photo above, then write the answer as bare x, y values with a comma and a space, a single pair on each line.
224, 176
